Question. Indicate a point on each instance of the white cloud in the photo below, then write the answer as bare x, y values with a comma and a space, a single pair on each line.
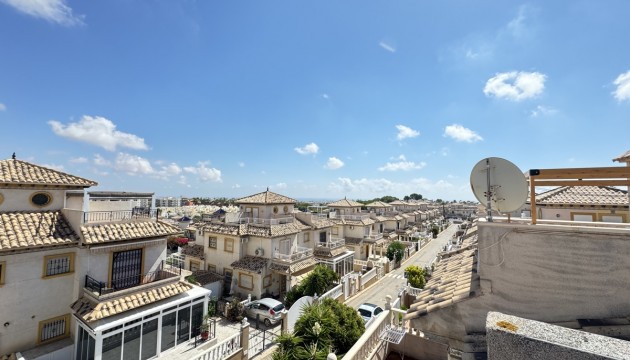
541, 110
428, 186
311, 148
241, 164
460, 133
280, 186
362, 186
515, 85
444, 151
132, 164
54, 11
387, 46
79, 160
325, 96
98, 131
101, 161
622, 92
183, 180
406, 132
54, 167
236, 186
204, 173
333, 163
402, 164
3, 107
166, 171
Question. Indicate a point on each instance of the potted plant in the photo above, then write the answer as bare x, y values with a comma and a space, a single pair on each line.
204, 328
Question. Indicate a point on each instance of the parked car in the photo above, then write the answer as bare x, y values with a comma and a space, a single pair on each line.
369, 312
268, 310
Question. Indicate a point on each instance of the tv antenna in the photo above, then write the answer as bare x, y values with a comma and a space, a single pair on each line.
499, 184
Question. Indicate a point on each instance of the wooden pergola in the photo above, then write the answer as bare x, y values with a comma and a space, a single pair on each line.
602, 176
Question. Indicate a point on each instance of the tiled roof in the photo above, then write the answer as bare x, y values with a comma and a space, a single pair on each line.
103, 233
222, 228
193, 250
24, 173
353, 241
345, 203
276, 230
378, 204
204, 277
327, 252
398, 202
454, 279
20, 230
266, 197
251, 263
8, 357
293, 268
583, 195
625, 157
90, 311
362, 222
321, 223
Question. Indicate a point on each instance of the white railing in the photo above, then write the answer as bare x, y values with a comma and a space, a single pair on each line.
299, 253
333, 243
369, 342
373, 236
360, 262
413, 291
265, 222
333, 293
350, 217
368, 276
223, 349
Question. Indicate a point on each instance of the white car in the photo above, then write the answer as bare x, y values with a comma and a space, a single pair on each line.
369, 312
268, 310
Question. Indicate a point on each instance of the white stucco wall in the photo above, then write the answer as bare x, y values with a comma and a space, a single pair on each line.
107, 205
26, 298
20, 200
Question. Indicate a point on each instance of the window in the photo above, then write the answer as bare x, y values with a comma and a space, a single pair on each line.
275, 209
126, 268
322, 237
246, 281
53, 329
41, 199
228, 245
285, 209
58, 265
212, 268
3, 265
194, 266
212, 242
267, 281
227, 281
335, 230
307, 237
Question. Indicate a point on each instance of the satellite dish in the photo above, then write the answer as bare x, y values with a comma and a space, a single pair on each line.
499, 184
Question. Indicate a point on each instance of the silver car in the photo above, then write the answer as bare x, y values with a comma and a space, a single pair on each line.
268, 310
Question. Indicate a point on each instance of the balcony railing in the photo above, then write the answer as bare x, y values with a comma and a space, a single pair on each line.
265, 222
103, 288
333, 243
373, 237
355, 217
119, 215
298, 254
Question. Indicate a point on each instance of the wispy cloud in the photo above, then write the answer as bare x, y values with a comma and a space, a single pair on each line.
79, 160
325, 96
280, 186
462, 134
387, 46
98, 131
622, 92
515, 85
333, 163
402, 165
101, 161
204, 172
54, 11
3, 107
541, 110
405, 132
362, 186
307, 149
241, 164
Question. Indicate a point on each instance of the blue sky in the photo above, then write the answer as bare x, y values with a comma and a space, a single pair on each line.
322, 99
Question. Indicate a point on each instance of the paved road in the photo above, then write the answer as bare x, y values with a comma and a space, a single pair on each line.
391, 283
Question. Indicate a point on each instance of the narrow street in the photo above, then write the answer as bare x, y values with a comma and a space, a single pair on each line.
394, 281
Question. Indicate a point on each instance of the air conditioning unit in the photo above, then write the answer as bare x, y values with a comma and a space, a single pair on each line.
260, 252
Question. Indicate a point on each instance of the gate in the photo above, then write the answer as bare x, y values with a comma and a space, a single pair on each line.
260, 340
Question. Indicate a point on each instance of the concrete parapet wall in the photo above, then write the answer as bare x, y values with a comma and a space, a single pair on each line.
514, 338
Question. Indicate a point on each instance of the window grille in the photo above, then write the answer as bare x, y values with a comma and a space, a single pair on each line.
212, 242
53, 329
59, 265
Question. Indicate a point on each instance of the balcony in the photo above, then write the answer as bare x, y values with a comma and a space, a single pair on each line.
333, 243
330, 248
373, 237
355, 217
103, 290
136, 214
265, 222
298, 254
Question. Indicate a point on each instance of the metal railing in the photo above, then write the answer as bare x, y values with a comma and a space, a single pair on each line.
103, 288
119, 215
333, 243
299, 253
223, 349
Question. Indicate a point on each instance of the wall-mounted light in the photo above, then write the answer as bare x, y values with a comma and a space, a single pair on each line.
557, 215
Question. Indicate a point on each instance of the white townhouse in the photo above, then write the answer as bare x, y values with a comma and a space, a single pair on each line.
79, 284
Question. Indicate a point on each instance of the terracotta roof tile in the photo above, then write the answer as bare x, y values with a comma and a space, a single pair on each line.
21, 172
378, 204
20, 230
251, 263
345, 203
454, 279
204, 277
625, 157
583, 195
91, 311
220, 228
8, 357
194, 251
103, 233
266, 197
